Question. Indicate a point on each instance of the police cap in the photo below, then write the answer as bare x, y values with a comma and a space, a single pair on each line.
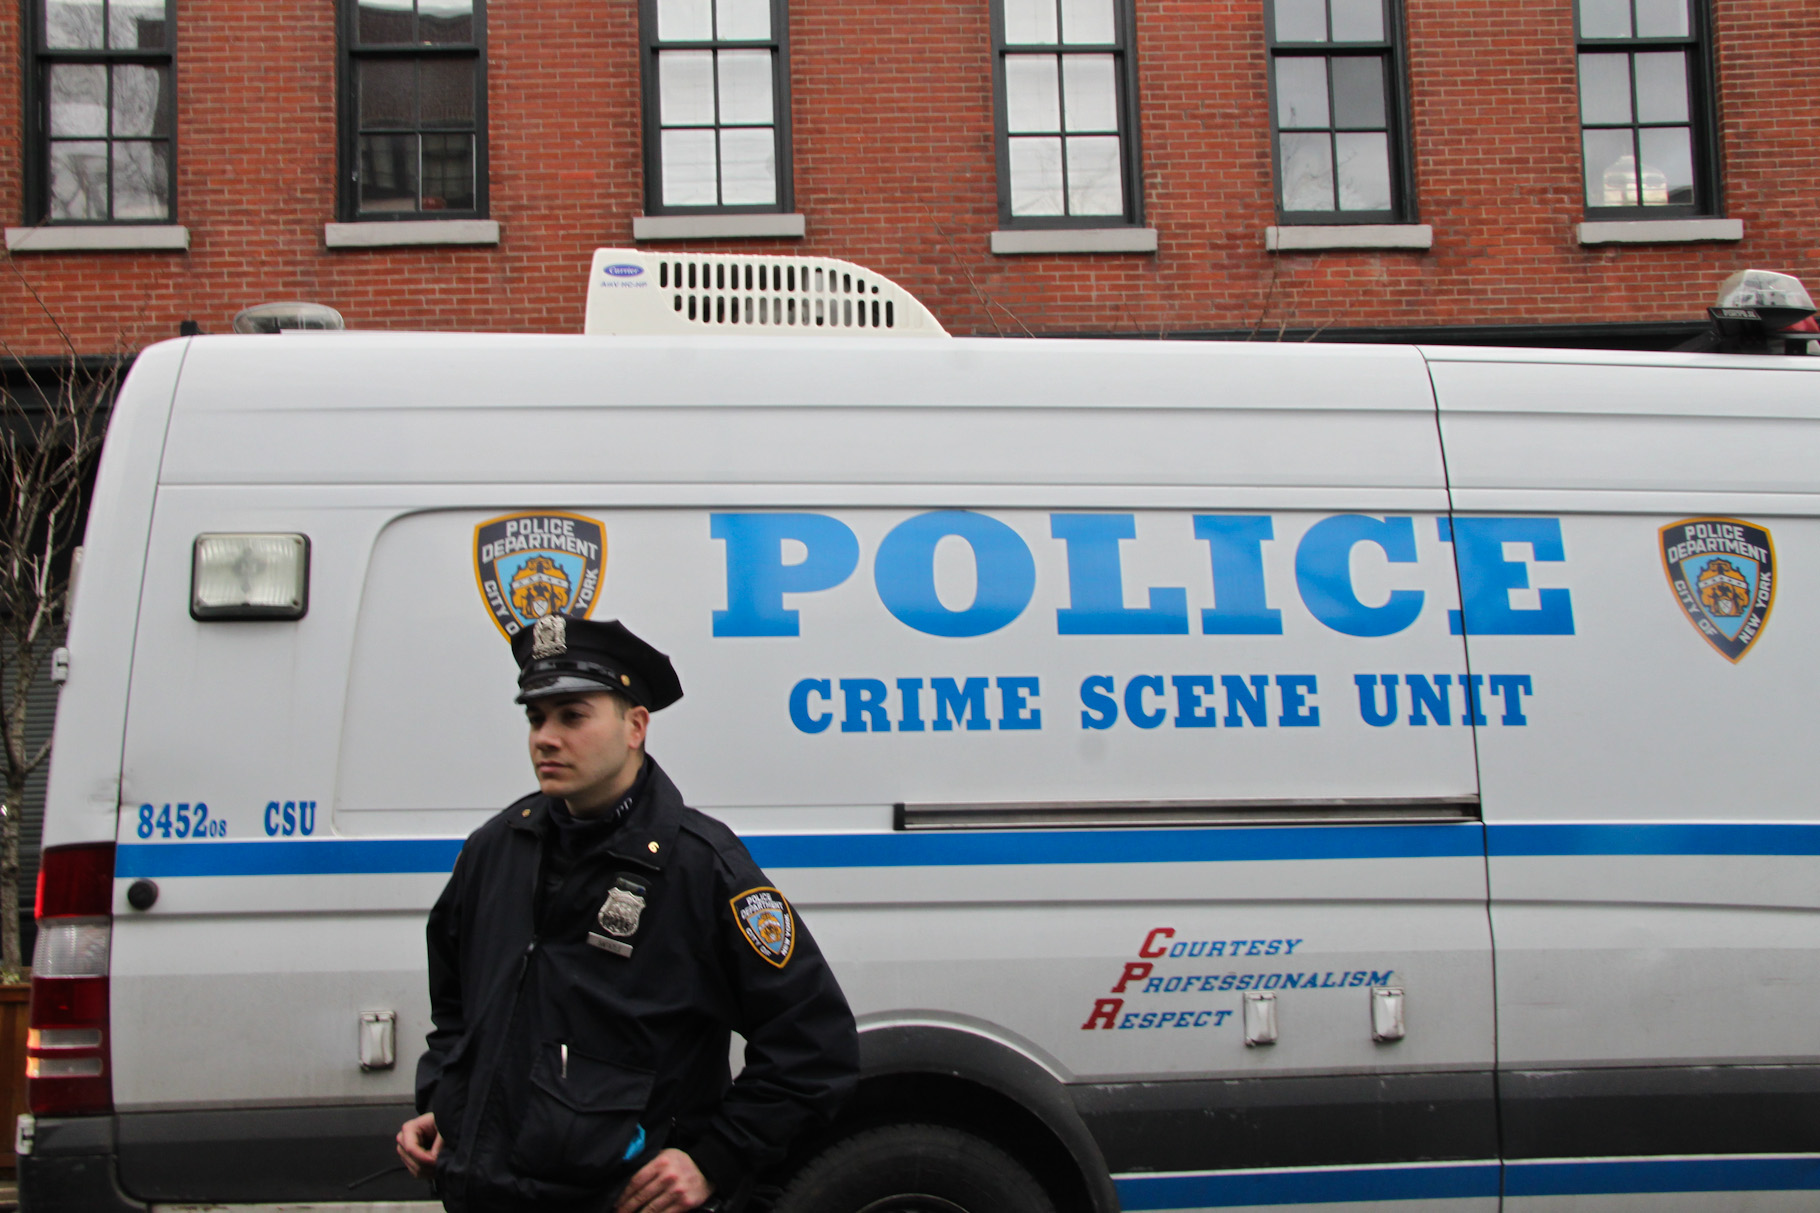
558, 655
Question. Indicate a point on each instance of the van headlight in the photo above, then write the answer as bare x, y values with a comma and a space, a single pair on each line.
246, 576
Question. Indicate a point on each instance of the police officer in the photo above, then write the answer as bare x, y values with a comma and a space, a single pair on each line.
594, 947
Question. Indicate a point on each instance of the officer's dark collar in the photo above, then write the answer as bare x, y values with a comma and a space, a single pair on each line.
647, 836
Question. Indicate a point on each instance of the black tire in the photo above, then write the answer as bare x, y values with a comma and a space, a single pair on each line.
913, 1169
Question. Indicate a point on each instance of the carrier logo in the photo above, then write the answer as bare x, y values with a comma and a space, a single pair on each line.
765, 920
1723, 572
623, 270
533, 566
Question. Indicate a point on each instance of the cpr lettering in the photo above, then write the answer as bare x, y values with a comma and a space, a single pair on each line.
1110, 1013
761, 573
1147, 705
1208, 983
943, 706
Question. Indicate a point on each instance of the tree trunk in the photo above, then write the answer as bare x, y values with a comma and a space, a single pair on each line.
10, 811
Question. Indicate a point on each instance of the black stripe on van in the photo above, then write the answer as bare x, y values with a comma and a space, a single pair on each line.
1626, 1112
1291, 1122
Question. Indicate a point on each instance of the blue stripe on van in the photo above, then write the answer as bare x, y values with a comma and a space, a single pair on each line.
315, 857
1226, 1189
327, 856
1653, 838
322, 856
1780, 1173
1563, 1177
937, 849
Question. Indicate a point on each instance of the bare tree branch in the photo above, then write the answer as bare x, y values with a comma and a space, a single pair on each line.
50, 435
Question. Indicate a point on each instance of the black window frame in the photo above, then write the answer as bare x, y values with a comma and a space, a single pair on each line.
350, 52
779, 46
1703, 116
37, 162
1392, 49
1131, 171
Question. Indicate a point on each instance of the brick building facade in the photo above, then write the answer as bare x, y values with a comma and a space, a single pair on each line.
893, 151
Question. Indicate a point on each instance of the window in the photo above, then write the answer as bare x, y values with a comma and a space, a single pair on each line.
1645, 128
1336, 103
105, 116
1067, 113
413, 110
717, 106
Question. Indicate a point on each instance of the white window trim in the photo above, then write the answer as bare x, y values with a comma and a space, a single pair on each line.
1660, 231
1294, 239
1074, 240
99, 238
718, 227
405, 232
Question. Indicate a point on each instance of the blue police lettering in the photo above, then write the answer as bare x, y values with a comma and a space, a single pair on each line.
904, 573
1323, 573
290, 817
1096, 587
1147, 703
1431, 696
759, 577
965, 703
1235, 544
1486, 577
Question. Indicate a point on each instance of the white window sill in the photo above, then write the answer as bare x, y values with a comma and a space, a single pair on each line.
1661, 231
410, 232
109, 238
1294, 239
718, 227
1074, 240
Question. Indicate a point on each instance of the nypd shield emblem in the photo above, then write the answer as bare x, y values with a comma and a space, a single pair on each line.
620, 912
766, 921
534, 565
1723, 572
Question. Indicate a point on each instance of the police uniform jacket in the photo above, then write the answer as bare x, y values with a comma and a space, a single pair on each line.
557, 1066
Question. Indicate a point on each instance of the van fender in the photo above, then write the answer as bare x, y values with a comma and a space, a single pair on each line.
979, 1056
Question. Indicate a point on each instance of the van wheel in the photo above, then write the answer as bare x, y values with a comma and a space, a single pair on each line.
913, 1169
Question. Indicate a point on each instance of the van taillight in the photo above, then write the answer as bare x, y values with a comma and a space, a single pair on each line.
66, 1044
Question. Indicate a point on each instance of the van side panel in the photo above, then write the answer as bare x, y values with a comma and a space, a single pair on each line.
83, 795
1204, 575
1654, 846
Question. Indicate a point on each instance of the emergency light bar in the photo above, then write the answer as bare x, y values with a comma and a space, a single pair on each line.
633, 292
1759, 312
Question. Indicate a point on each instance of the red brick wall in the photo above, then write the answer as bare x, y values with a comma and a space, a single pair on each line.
894, 169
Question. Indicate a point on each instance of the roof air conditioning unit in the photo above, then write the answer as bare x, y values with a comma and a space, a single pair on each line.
633, 292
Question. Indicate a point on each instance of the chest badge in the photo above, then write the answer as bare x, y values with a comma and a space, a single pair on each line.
765, 920
618, 917
619, 913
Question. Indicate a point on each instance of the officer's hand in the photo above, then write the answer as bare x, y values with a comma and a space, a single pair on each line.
669, 1183
419, 1143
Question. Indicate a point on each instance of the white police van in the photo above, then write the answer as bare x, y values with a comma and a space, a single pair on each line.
1221, 775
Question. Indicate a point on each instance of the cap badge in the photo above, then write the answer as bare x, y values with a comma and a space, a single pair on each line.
550, 637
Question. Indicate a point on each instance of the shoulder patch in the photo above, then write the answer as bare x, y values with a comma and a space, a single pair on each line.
767, 922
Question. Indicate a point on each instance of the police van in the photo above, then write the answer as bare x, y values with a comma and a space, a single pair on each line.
1222, 775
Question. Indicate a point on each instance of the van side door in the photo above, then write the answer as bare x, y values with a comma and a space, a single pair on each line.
1623, 525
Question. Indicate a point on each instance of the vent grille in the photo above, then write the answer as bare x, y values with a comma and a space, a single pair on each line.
632, 291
